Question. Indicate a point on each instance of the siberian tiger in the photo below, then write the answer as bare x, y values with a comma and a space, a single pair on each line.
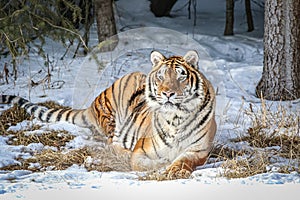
165, 119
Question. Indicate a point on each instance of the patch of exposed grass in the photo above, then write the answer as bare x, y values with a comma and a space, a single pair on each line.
11, 117
57, 138
49, 159
241, 167
108, 159
274, 135
59, 160
280, 128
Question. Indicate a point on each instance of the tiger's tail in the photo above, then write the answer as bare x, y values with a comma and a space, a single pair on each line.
77, 117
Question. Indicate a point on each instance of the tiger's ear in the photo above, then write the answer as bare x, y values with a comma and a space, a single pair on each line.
192, 58
156, 57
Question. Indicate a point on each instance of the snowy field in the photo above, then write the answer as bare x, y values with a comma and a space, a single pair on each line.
233, 64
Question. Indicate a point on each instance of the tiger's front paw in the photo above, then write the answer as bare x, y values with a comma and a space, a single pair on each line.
177, 172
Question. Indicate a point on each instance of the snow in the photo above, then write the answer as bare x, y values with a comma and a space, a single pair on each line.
233, 64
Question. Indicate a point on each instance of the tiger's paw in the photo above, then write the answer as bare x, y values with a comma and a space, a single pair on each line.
177, 172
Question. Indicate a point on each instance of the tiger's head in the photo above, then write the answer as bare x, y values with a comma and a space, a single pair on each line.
174, 83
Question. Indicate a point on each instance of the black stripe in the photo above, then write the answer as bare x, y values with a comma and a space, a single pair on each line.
136, 94
83, 118
199, 138
49, 114
113, 94
192, 81
196, 82
59, 114
144, 149
22, 101
42, 112
35, 107
155, 150
27, 105
122, 88
132, 118
161, 133
206, 102
152, 97
203, 120
68, 115
108, 104
74, 116
9, 99
187, 73
137, 131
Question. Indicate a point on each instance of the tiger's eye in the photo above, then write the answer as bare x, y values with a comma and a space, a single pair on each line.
181, 73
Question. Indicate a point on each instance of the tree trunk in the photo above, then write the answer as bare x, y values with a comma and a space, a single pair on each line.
161, 8
281, 72
249, 15
229, 17
106, 26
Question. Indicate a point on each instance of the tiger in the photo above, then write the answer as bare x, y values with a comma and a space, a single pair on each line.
165, 119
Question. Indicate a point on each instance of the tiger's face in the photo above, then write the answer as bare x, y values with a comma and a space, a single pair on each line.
174, 84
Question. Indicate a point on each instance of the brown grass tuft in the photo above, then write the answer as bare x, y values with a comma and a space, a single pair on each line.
272, 137
108, 159
11, 117
57, 138
279, 128
240, 167
49, 159
59, 160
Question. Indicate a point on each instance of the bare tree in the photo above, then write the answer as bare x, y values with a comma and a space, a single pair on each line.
106, 26
229, 17
281, 72
161, 8
249, 15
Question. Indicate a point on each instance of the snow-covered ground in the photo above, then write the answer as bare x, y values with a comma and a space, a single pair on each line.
233, 64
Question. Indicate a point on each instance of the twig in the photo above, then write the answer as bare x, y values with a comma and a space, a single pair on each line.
62, 28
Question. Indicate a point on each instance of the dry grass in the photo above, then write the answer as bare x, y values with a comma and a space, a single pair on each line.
240, 167
280, 128
11, 117
58, 160
57, 138
273, 136
108, 159
49, 159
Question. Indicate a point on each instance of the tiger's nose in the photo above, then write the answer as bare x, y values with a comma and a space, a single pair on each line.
168, 94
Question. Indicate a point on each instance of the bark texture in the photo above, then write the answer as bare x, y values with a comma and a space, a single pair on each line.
281, 72
229, 17
106, 26
161, 8
249, 15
